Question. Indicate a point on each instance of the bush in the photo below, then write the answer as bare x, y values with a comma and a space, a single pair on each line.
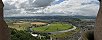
22, 35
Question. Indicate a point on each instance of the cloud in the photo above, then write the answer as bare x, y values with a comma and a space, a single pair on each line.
9, 7
72, 7
13, 7
43, 3
50, 7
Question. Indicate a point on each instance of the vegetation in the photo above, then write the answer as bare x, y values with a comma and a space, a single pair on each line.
18, 30
19, 26
57, 23
76, 19
53, 27
65, 34
23, 35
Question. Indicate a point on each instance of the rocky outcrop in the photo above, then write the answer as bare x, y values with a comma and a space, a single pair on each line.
98, 28
99, 0
4, 31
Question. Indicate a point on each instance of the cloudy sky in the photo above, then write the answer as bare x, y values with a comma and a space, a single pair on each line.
15, 8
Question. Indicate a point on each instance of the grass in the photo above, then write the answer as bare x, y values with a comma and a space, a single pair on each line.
65, 34
22, 26
53, 27
56, 26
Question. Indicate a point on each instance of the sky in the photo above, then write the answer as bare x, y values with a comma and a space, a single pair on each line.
15, 8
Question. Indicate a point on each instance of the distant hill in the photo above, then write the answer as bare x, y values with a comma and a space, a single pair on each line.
52, 17
84, 17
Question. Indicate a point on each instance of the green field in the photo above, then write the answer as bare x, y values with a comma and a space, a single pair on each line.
65, 34
53, 27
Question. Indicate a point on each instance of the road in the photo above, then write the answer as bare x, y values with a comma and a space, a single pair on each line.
63, 31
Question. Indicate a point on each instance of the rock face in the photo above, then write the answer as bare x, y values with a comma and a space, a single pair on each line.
98, 28
99, 0
4, 31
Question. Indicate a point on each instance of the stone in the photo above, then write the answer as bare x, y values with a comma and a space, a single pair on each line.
4, 31
98, 28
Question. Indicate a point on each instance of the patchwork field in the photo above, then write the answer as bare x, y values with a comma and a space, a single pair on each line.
52, 28
38, 23
19, 25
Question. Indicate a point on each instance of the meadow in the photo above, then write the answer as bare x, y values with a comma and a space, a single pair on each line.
53, 27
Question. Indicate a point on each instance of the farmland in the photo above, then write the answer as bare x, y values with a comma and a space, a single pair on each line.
53, 27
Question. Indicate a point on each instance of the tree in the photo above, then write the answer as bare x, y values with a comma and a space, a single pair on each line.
21, 35
77, 19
